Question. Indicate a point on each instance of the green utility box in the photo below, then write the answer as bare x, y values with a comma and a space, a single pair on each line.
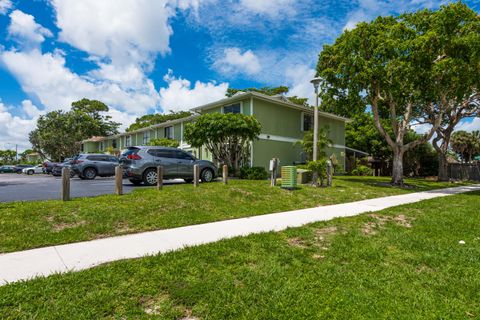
289, 177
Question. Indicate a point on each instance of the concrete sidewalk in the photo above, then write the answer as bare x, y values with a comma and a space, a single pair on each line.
83, 255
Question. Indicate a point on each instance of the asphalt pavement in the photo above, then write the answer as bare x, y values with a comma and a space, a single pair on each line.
21, 187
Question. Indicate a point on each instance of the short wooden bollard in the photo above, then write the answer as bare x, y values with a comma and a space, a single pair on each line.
159, 178
196, 175
65, 184
225, 174
118, 180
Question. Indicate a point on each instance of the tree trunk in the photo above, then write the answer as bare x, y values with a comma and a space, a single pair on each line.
397, 170
442, 167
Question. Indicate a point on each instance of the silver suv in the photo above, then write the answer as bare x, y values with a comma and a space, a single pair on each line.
140, 165
88, 166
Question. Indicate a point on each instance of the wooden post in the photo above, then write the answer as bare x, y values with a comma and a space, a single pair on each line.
329, 173
225, 174
159, 177
118, 180
196, 175
65, 184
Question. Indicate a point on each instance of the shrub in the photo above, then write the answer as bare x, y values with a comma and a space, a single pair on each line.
253, 173
362, 170
164, 142
320, 167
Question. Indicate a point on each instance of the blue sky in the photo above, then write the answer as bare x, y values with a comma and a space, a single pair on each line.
144, 56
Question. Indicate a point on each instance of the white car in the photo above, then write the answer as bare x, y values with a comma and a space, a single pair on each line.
37, 169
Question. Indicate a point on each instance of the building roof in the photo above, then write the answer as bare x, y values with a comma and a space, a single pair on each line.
278, 99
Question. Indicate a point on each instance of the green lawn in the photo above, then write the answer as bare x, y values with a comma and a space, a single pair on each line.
402, 263
25, 225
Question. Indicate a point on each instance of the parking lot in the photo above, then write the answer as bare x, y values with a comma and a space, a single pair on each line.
21, 187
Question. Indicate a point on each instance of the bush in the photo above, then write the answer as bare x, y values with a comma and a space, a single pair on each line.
362, 170
164, 142
320, 167
253, 173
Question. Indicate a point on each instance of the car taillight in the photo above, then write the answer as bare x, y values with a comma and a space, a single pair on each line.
134, 156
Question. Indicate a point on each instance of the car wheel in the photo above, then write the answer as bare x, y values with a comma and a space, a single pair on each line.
207, 175
72, 174
188, 180
135, 182
89, 173
30, 172
150, 177
19, 171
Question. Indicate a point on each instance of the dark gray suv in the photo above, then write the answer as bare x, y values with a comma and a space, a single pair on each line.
88, 166
140, 165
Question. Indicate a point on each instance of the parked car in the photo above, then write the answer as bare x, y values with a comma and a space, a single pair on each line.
57, 170
140, 164
7, 169
32, 170
89, 166
19, 167
48, 166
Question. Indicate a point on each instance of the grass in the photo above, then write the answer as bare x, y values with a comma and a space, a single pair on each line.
26, 225
401, 263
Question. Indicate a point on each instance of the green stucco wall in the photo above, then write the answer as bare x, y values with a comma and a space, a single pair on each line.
265, 150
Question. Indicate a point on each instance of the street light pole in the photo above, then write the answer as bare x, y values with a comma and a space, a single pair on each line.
316, 84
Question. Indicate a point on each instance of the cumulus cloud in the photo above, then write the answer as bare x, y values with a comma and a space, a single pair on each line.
123, 31
45, 76
298, 77
15, 129
5, 5
25, 30
234, 62
180, 95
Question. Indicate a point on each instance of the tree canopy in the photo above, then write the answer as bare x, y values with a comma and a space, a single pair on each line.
466, 144
407, 69
152, 119
59, 133
271, 91
226, 136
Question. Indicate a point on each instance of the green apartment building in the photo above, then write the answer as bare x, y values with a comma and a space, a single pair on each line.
283, 124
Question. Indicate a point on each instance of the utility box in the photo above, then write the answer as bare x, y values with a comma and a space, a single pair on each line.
304, 176
289, 177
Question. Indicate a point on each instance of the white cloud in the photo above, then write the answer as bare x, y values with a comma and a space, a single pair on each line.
30, 109
469, 125
5, 5
46, 77
298, 79
14, 129
123, 31
25, 30
234, 62
180, 95
269, 7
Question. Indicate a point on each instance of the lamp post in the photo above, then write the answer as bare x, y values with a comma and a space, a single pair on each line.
316, 83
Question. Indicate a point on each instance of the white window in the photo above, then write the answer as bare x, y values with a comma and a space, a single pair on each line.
169, 132
234, 108
146, 137
128, 141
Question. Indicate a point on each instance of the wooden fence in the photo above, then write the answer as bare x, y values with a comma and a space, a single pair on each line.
464, 171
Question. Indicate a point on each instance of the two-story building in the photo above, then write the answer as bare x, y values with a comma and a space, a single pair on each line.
283, 124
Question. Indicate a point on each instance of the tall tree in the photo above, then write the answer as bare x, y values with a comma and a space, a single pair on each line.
59, 133
400, 68
466, 144
226, 136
